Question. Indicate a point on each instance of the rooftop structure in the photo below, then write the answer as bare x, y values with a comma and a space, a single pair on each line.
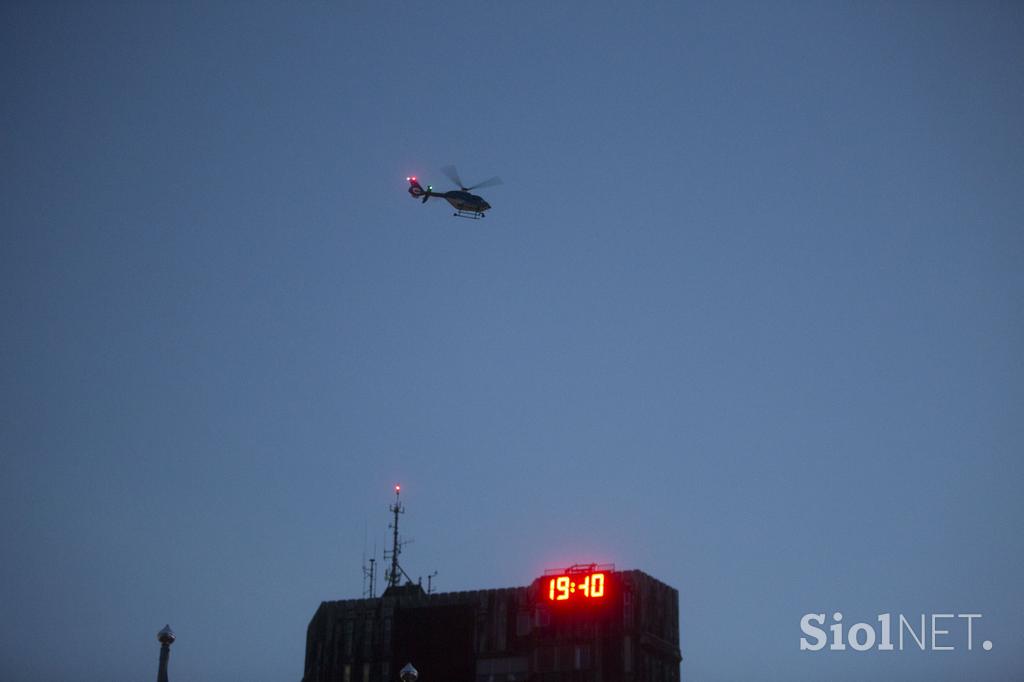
581, 624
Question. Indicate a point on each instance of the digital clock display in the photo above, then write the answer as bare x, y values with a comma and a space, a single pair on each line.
575, 586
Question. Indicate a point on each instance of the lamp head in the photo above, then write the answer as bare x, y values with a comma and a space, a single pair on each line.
408, 673
166, 635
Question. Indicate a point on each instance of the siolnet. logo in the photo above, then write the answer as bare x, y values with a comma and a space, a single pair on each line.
928, 632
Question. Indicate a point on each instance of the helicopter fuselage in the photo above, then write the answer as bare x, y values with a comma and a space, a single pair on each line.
465, 203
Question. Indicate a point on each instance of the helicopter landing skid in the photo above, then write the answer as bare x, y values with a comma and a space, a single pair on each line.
472, 215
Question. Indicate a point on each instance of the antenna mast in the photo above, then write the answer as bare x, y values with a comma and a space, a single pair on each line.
370, 577
396, 546
369, 573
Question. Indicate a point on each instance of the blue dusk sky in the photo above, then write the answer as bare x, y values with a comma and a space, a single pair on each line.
746, 315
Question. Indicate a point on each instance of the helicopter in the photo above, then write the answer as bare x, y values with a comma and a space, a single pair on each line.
466, 205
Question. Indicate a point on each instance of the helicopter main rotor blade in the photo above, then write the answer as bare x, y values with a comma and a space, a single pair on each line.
453, 175
487, 183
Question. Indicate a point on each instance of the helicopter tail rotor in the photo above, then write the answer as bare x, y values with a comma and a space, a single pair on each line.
416, 190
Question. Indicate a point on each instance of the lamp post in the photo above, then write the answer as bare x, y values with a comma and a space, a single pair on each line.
408, 673
166, 638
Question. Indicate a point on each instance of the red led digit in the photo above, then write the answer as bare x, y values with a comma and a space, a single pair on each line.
576, 586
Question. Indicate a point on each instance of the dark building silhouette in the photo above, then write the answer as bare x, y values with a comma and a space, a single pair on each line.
546, 632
